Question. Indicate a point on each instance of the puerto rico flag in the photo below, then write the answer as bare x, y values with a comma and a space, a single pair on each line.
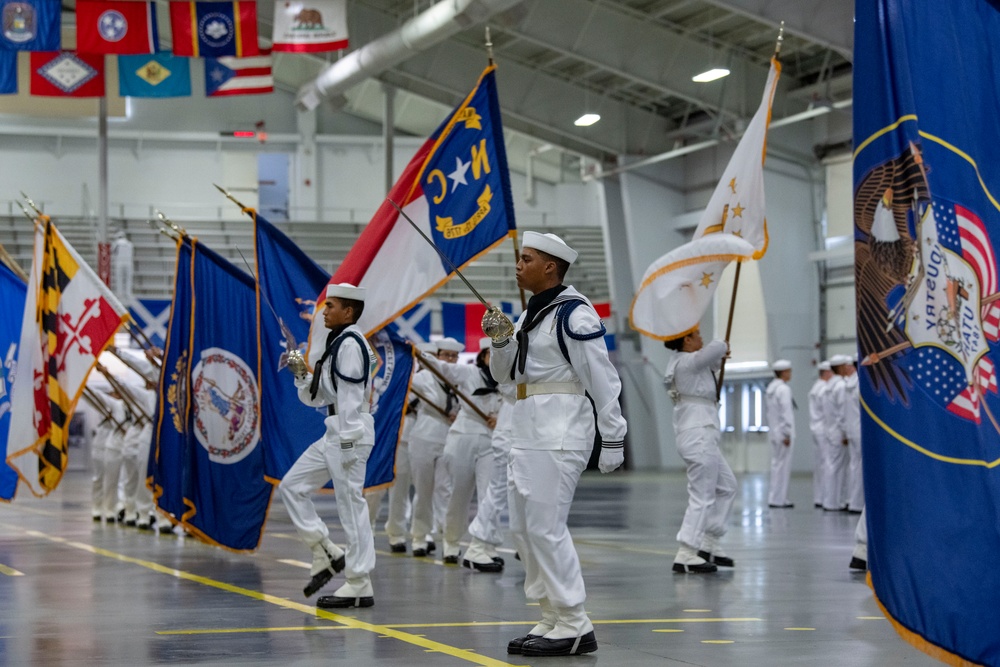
123, 27
67, 74
457, 191
239, 76
214, 29
70, 316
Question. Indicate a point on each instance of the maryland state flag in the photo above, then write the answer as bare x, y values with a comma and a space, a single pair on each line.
926, 227
288, 279
207, 466
457, 190
69, 318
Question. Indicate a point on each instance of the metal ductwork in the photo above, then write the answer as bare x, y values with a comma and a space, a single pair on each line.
423, 31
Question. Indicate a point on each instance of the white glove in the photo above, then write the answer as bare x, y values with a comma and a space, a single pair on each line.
348, 454
611, 457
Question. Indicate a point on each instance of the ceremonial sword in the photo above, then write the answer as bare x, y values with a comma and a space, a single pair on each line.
290, 342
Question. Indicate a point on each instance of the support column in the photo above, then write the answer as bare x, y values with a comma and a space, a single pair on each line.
388, 132
103, 244
305, 193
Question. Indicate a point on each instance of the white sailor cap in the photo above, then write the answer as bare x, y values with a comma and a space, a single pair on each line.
781, 365
346, 291
839, 360
549, 243
429, 348
485, 343
825, 366
449, 345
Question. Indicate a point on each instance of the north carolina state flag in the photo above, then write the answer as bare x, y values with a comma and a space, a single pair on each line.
67, 74
123, 27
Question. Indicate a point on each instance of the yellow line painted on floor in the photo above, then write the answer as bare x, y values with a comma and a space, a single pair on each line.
871, 618
668, 630
624, 621
347, 621
295, 563
696, 611
619, 547
224, 631
802, 629
9, 571
717, 641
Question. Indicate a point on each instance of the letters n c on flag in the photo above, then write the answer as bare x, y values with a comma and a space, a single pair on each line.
70, 316
456, 189
678, 287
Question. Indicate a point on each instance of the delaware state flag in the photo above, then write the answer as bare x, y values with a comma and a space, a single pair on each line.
457, 190
116, 26
926, 229
214, 29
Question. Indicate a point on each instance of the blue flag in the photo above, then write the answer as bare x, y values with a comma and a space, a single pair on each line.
926, 182
224, 492
290, 281
154, 75
12, 297
152, 316
30, 25
8, 72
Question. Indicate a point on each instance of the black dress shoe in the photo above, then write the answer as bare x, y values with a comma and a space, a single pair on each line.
334, 602
517, 556
858, 564
483, 567
515, 644
397, 548
321, 579
431, 547
572, 646
818, 505
419, 553
499, 561
144, 526
697, 568
722, 561
451, 560
786, 506
850, 511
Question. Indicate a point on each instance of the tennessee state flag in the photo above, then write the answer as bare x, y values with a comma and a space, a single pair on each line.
457, 190
214, 29
69, 318
67, 74
123, 27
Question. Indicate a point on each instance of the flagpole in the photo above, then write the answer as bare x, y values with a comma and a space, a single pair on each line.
131, 364
732, 310
126, 396
430, 403
458, 392
12, 264
100, 407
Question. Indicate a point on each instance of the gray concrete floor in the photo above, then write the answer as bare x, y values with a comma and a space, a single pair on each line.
73, 591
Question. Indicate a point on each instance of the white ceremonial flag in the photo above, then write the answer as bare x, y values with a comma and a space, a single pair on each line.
742, 184
677, 288
313, 26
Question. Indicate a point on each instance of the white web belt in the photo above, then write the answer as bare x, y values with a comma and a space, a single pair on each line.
525, 390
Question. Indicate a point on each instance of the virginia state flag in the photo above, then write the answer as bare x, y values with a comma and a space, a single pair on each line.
70, 316
30, 25
214, 29
926, 227
288, 280
225, 495
457, 190
13, 291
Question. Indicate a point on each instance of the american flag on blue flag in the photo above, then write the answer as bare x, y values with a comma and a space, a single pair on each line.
942, 377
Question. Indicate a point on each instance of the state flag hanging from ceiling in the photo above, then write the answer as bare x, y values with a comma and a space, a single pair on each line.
121, 27
214, 29
313, 26
927, 222
8, 72
67, 74
30, 25
239, 76
70, 316
457, 191
154, 75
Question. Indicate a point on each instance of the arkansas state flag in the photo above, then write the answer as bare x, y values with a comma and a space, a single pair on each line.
70, 316
124, 27
239, 76
457, 190
214, 29
67, 74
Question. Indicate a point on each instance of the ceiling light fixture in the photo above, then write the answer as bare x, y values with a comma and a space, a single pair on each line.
710, 75
587, 119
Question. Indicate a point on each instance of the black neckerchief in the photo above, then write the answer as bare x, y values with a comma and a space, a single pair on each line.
491, 384
450, 397
330, 338
536, 305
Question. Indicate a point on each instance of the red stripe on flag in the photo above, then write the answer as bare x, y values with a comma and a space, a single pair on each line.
603, 310
473, 326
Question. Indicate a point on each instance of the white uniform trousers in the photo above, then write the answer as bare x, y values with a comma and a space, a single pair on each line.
855, 476
836, 474
317, 465
427, 466
711, 485
819, 467
373, 500
469, 459
486, 525
112, 473
399, 497
781, 470
541, 484
97, 455
135, 463
861, 537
